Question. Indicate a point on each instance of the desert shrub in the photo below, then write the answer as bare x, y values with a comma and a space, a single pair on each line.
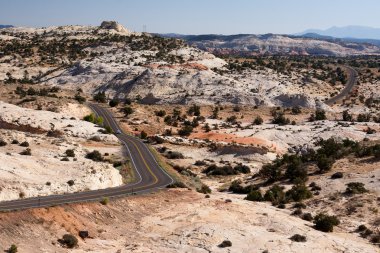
160, 113
337, 175
318, 115
65, 159
375, 239
128, 111
174, 155
12, 249
225, 244
15, 142
236, 187
114, 102
105, 201
254, 195
194, 110
70, 182
325, 223
355, 188
275, 195
362, 228
95, 156
177, 184
324, 163
241, 168
200, 163
346, 116
216, 170
99, 121
27, 151
270, 172
143, 135
236, 108
297, 212
299, 205
70, 152
90, 118
295, 170
185, 130
298, 192
298, 238
54, 133
232, 119
80, 99
69, 241
280, 119
2, 143
296, 110
258, 120
108, 130
307, 216
24, 144
204, 189
100, 97
362, 117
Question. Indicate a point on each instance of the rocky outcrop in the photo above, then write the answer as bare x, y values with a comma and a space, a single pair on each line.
113, 25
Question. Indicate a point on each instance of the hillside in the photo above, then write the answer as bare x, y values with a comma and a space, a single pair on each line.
273, 44
152, 69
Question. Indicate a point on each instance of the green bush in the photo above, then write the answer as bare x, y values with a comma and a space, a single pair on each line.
324, 163
258, 120
143, 135
69, 241
298, 192
160, 113
12, 249
70, 153
296, 110
185, 130
2, 143
204, 189
255, 195
298, 238
325, 223
270, 172
128, 111
114, 102
100, 97
95, 156
355, 188
105, 201
177, 184
280, 119
275, 195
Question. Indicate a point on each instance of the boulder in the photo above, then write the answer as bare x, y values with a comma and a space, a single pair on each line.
113, 25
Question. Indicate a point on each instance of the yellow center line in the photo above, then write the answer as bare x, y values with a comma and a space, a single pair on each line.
142, 157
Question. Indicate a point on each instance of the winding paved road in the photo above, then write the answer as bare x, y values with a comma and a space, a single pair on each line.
149, 176
352, 79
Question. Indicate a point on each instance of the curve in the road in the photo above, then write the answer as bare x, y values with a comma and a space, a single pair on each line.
149, 175
352, 79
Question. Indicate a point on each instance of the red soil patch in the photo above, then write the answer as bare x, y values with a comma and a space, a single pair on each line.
232, 138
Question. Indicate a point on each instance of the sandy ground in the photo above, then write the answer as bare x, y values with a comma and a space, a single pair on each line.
173, 221
44, 172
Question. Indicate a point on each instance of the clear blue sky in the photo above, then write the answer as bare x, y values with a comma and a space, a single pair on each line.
195, 16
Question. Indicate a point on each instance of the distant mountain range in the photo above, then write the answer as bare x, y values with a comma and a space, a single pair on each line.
5, 26
351, 32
